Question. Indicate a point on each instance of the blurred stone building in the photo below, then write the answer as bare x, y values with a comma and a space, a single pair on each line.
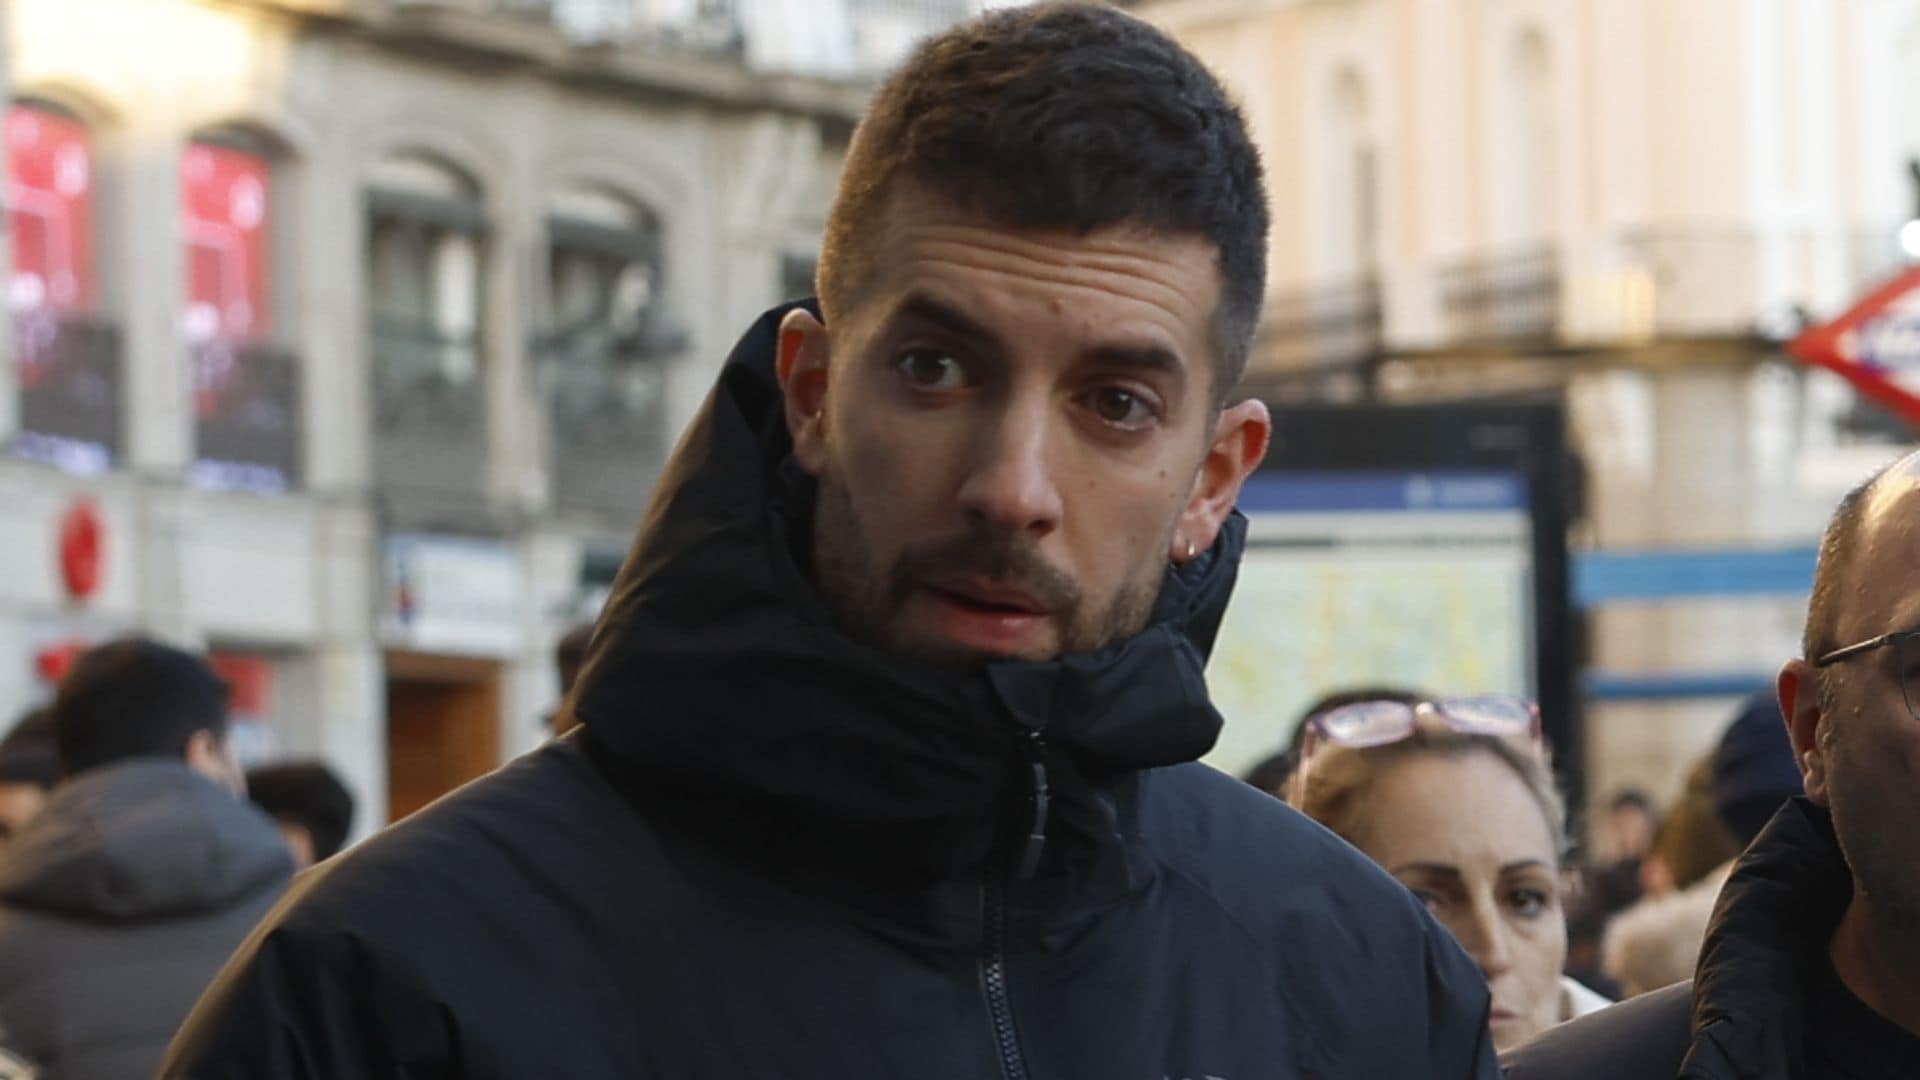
1623, 205
349, 335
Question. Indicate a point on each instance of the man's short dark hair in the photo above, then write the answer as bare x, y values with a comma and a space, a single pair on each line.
1632, 799
308, 794
135, 698
27, 755
1067, 116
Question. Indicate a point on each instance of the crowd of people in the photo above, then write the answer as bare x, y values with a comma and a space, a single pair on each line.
882, 759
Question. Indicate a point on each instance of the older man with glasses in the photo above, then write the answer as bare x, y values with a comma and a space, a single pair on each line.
1811, 968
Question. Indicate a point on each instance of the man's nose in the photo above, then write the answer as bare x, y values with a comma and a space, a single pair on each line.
1011, 481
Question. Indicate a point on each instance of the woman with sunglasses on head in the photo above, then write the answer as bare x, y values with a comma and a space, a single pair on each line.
1456, 799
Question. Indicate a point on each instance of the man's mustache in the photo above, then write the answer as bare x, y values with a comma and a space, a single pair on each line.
1006, 559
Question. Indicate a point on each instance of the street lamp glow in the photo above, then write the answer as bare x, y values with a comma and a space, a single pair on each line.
1910, 239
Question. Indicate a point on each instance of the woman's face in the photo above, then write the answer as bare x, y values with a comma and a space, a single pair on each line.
1467, 836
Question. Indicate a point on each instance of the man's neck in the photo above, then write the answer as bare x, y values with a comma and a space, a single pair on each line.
1879, 964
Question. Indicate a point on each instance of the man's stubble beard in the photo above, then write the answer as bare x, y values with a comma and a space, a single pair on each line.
1877, 842
867, 597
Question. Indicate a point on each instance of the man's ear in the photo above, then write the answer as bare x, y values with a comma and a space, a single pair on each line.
801, 367
1240, 436
1799, 687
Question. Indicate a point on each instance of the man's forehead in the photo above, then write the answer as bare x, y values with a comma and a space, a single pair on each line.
1885, 580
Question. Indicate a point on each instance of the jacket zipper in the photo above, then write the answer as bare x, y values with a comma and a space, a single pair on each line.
993, 961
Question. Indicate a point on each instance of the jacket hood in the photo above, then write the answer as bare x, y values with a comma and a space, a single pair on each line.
1768, 935
142, 840
718, 666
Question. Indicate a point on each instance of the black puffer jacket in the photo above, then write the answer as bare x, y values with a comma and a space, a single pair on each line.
773, 852
1744, 1015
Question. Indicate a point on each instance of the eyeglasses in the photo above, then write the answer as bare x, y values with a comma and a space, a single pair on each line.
1367, 724
1906, 651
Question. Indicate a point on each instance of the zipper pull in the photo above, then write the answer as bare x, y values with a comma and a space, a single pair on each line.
1036, 754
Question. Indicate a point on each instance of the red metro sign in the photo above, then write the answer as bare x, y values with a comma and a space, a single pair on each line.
1875, 346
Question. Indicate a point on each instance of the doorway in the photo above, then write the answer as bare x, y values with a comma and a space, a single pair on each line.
443, 726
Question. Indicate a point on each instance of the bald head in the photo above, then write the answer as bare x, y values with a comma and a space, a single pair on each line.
1887, 499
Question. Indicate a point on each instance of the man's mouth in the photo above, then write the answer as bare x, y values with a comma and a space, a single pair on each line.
990, 598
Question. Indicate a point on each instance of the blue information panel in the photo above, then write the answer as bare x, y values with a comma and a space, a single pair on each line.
1420, 578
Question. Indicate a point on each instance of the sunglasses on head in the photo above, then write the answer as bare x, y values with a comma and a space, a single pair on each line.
1367, 724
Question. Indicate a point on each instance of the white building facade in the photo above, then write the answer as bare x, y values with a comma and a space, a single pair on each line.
350, 335
1621, 204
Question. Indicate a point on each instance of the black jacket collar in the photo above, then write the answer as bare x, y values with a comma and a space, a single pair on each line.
1769, 933
716, 668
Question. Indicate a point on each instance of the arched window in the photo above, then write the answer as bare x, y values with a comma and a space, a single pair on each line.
246, 388
1523, 164
426, 250
607, 339
67, 355
1352, 196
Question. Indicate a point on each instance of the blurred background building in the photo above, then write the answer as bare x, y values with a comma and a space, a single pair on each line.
1623, 206
348, 335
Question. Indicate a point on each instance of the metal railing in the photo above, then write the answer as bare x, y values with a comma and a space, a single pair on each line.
609, 437
1513, 296
72, 388
1321, 326
247, 414
429, 414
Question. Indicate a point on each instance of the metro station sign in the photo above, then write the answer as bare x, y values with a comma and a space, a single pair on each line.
1875, 346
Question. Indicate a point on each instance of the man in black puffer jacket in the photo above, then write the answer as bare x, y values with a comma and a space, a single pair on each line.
1811, 967
887, 760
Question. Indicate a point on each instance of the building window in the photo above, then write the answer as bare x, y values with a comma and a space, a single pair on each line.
604, 352
426, 248
245, 389
1524, 174
68, 357
1351, 208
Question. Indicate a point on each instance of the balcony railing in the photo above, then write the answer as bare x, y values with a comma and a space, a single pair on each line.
857, 38
1332, 325
1512, 297
609, 427
71, 384
247, 416
429, 417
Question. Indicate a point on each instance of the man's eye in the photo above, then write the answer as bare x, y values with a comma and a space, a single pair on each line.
1121, 408
927, 369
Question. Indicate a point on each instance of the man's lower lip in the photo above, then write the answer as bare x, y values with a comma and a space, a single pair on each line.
987, 629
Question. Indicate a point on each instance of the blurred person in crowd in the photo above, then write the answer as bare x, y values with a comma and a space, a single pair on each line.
1456, 799
1811, 967
569, 656
120, 901
1692, 841
1271, 772
1749, 774
29, 766
889, 734
1630, 825
307, 801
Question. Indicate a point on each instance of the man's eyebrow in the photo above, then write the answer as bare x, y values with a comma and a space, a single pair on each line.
1149, 357
925, 308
